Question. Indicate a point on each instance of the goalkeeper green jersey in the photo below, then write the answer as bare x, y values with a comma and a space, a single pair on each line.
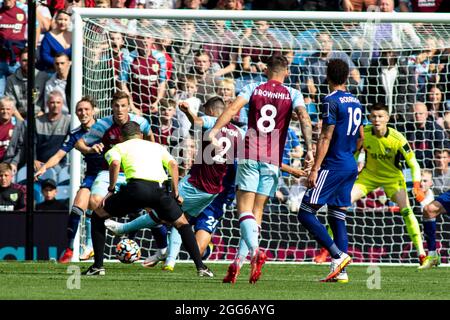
383, 155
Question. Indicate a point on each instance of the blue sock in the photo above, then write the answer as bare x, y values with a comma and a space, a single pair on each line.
144, 221
336, 219
429, 229
307, 217
249, 231
160, 235
72, 224
87, 226
174, 247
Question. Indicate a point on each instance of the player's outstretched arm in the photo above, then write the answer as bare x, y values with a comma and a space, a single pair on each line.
114, 169
322, 149
296, 172
85, 149
53, 161
226, 116
193, 118
305, 123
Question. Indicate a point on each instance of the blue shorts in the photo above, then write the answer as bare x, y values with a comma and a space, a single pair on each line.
101, 183
257, 177
194, 199
88, 181
209, 219
333, 187
444, 199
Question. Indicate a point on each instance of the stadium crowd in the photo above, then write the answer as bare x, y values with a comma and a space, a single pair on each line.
158, 73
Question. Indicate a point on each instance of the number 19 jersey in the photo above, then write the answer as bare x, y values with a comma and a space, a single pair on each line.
270, 109
343, 110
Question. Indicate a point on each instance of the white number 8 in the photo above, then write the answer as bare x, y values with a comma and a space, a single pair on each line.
265, 118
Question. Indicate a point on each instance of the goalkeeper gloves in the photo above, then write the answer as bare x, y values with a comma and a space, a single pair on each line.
418, 192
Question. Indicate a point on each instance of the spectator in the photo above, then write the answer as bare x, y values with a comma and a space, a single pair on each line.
185, 48
426, 184
435, 105
15, 153
188, 93
49, 191
359, 5
424, 135
16, 87
316, 68
103, 4
58, 81
146, 74
391, 81
58, 40
191, 4
12, 39
7, 125
319, 5
12, 198
206, 83
399, 35
51, 130
424, 6
441, 173
227, 90
165, 124
223, 56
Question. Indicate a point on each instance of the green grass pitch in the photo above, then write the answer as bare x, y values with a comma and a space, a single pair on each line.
47, 280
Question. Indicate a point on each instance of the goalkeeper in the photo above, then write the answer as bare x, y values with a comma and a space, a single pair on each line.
384, 148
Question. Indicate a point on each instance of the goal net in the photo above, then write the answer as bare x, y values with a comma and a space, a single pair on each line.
161, 61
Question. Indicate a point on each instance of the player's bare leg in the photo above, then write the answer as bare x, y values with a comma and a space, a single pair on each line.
412, 225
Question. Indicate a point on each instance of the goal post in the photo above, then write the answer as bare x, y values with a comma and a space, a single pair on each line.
236, 45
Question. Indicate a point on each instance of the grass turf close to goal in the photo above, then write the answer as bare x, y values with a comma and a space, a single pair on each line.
47, 280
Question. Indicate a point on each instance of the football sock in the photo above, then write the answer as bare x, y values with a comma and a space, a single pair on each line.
144, 221
72, 224
88, 230
413, 229
242, 252
336, 219
249, 231
429, 229
190, 244
160, 235
98, 239
174, 247
307, 217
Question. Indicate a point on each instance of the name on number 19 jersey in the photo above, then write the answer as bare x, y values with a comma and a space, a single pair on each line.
343, 110
270, 109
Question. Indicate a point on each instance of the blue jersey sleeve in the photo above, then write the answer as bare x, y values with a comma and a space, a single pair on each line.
143, 123
69, 142
247, 91
97, 131
329, 110
208, 122
297, 98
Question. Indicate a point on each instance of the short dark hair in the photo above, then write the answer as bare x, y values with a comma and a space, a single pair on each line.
130, 129
215, 103
61, 54
378, 106
337, 71
87, 99
277, 63
118, 95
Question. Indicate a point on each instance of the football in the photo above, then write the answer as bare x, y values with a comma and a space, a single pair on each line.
128, 251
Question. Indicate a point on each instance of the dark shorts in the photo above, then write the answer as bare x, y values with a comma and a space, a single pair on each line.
88, 181
333, 187
137, 194
444, 199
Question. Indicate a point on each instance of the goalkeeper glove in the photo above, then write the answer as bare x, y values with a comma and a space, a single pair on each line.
418, 192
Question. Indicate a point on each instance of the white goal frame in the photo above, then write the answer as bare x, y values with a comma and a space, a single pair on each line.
77, 46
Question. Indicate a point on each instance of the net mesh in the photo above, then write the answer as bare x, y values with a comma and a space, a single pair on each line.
400, 64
